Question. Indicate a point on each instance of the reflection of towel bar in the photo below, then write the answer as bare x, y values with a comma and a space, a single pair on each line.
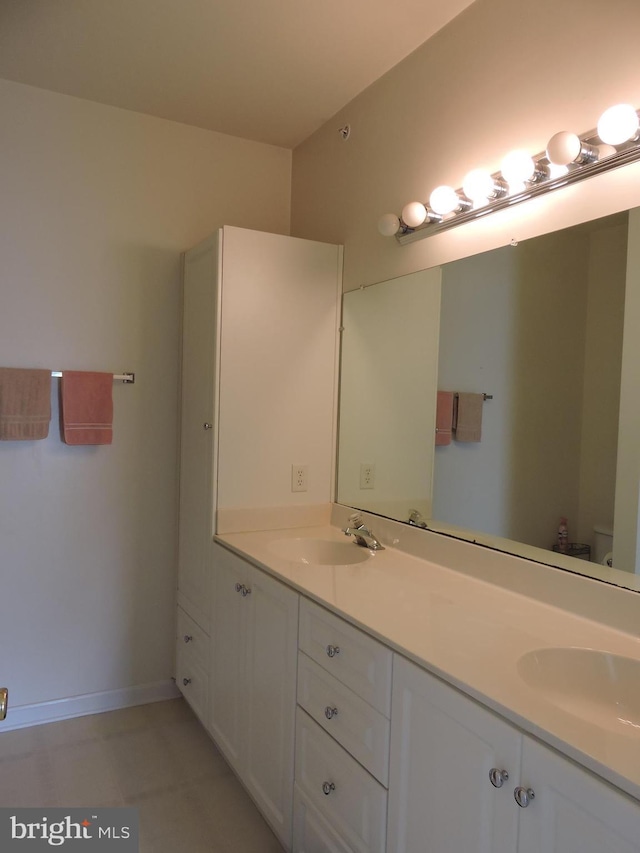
127, 378
484, 396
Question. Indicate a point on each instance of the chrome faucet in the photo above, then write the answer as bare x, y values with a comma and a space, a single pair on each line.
416, 519
363, 536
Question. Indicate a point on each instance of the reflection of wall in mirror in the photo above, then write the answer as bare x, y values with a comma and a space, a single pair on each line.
538, 326
387, 394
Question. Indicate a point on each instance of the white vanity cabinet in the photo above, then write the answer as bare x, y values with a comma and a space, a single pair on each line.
448, 754
342, 736
253, 682
573, 811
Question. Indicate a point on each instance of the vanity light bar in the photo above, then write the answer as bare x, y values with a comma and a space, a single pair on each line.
569, 158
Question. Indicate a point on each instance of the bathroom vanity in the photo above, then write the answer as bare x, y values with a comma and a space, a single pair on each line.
433, 710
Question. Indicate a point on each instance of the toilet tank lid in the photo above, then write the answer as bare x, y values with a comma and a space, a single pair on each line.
603, 528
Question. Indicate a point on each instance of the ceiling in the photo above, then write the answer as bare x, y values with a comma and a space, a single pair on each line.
268, 70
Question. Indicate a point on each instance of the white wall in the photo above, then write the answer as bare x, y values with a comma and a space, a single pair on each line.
96, 206
388, 392
496, 78
626, 546
602, 369
513, 326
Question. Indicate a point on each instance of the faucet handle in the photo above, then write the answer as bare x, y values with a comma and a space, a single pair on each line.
355, 520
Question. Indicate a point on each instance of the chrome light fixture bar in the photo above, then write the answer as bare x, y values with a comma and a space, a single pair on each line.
568, 159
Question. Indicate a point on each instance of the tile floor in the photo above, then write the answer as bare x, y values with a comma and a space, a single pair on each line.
155, 757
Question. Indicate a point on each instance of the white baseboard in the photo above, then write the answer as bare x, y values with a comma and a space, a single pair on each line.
21, 716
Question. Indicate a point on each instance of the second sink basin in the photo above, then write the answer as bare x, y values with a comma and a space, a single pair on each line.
598, 687
319, 552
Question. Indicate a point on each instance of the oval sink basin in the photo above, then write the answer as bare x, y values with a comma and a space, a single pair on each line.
596, 686
319, 552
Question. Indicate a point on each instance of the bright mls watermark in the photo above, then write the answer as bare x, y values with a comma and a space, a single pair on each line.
109, 829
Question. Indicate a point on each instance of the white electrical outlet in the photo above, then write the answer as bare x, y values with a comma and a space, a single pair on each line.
367, 475
298, 478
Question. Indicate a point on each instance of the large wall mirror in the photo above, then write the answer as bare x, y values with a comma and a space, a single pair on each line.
546, 329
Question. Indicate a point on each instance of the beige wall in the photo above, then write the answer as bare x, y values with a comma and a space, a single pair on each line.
96, 206
502, 75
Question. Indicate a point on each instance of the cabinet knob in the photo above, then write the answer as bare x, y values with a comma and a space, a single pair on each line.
498, 777
239, 587
246, 590
186, 681
207, 425
188, 638
328, 787
332, 651
523, 796
330, 712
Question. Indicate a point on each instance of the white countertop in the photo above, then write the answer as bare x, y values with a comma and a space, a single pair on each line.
467, 631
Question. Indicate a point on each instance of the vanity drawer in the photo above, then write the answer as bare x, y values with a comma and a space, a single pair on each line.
356, 725
349, 799
356, 659
311, 832
192, 640
193, 682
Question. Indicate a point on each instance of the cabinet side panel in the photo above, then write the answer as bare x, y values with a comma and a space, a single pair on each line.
280, 313
196, 439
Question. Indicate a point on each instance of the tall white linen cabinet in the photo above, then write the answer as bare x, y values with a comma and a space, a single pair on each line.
259, 376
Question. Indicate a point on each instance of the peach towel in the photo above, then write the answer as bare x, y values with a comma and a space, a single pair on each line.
87, 407
25, 404
467, 417
444, 417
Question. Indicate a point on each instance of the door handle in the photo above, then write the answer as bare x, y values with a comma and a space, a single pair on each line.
4, 702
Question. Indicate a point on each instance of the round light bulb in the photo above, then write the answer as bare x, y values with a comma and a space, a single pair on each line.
618, 124
479, 185
444, 200
564, 148
517, 167
388, 225
414, 214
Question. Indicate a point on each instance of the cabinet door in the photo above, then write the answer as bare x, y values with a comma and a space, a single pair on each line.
196, 444
443, 747
227, 696
573, 811
270, 669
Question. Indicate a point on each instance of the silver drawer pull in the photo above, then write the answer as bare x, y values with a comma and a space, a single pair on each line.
186, 681
188, 638
243, 590
330, 712
498, 777
328, 787
239, 587
4, 702
523, 796
332, 651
